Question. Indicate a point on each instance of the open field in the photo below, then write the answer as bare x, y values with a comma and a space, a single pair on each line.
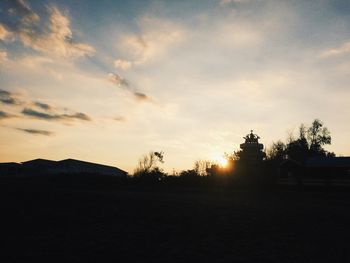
139, 224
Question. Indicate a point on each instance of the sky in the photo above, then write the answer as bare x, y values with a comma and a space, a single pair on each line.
109, 81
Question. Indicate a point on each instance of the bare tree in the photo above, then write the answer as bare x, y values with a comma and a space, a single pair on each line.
149, 162
201, 167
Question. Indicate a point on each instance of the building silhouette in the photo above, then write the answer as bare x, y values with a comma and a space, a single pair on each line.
67, 166
252, 150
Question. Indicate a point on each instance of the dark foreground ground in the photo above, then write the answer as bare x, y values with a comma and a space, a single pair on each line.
136, 224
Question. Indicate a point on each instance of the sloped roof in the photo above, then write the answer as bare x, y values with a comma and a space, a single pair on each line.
84, 163
73, 165
39, 161
341, 162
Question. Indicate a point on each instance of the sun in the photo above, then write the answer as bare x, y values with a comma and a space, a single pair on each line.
222, 161
219, 159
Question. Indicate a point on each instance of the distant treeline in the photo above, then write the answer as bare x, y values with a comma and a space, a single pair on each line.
309, 142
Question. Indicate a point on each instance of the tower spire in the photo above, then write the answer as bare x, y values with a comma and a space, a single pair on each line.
251, 148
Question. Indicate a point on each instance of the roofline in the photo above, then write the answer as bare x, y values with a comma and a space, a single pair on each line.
107, 166
71, 159
38, 159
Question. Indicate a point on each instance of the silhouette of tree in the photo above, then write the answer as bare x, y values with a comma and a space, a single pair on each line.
318, 136
189, 173
235, 156
148, 165
309, 143
213, 170
298, 150
160, 156
277, 151
201, 166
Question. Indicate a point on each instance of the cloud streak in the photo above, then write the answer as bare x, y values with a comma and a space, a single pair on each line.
53, 116
5, 115
38, 109
42, 105
8, 98
337, 51
36, 132
118, 81
124, 84
22, 9
140, 96
119, 118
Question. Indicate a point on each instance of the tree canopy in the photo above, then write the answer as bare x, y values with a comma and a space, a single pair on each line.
310, 142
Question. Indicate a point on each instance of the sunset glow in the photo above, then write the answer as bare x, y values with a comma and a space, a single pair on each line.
108, 81
222, 162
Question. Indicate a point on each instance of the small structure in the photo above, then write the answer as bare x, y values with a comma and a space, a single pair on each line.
328, 166
252, 150
316, 170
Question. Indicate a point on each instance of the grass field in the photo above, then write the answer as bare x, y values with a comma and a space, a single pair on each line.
135, 224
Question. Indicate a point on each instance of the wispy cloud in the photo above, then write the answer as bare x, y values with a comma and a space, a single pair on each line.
36, 132
40, 115
123, 64
155, 37
53, 116
119, 118
140, 96
53, 38
124, 84
9, 98
337, 51
22, 9
42, 105
40, 110
118, 80
5, 115
5, 35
